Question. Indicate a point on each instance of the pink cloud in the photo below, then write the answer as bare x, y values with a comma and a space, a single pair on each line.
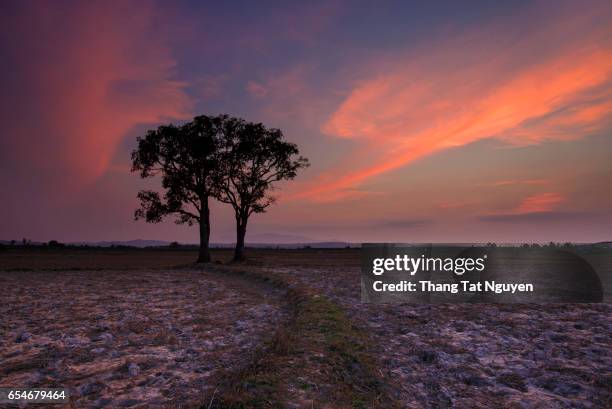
541, 202
256, 89
515, 182
93, 73
544, 85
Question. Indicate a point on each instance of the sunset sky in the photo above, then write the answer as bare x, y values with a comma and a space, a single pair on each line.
451, 122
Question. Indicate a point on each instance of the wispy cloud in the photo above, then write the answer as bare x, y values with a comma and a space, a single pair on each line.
541, 202
535, 208
551, 83
534, 217
256, 89
515, 182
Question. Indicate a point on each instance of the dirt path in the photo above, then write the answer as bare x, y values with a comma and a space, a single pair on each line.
317, 359
133, 338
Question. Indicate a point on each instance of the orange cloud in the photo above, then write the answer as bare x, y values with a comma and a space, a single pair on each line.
539, 88
513, 182
541, 202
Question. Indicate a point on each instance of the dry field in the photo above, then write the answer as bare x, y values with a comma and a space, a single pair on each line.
129, 338
140, 328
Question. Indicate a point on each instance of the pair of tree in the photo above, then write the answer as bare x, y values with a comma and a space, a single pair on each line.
213, 157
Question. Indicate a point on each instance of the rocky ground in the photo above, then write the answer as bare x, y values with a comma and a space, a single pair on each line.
480, 355
129, 338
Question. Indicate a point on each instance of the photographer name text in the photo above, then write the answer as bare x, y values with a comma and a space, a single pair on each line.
453, 288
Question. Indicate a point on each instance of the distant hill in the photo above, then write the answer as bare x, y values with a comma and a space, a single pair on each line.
283, 242
159, 243
129, 243
316, 244
279, 238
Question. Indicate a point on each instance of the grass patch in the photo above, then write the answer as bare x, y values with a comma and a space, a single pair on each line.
316, 359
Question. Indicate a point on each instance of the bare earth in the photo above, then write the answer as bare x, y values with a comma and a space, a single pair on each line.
129, 338
159, 338
482, 355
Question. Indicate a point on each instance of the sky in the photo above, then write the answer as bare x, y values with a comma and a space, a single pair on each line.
446, 122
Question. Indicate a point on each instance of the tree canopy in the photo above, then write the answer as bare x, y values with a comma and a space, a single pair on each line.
253, 158
186, 158
221, 157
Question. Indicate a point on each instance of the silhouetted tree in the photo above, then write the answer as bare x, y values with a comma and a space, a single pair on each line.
185, 157
253, 157
55, 244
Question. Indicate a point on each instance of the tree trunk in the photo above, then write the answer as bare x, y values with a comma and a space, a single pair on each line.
204, 254
241, 224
